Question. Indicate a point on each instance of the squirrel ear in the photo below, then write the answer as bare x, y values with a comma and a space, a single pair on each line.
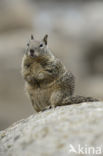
32, 37
45, 39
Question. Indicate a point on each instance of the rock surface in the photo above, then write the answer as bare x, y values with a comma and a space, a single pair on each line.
51, 133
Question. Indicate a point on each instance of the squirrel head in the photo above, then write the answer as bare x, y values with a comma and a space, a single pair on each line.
36, 48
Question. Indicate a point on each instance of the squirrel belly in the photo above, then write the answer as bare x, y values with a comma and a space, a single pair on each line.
48, 83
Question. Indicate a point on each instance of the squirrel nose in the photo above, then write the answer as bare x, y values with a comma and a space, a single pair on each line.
31, 51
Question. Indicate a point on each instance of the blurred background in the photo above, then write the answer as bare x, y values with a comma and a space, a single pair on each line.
75, 30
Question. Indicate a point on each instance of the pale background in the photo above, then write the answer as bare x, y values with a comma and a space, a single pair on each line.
75, 30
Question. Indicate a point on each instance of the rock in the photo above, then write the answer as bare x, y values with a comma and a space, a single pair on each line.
55, 131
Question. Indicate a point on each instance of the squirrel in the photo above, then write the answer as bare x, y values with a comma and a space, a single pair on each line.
47, 81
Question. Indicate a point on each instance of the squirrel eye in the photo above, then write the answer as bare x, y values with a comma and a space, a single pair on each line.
41, 45
28, 44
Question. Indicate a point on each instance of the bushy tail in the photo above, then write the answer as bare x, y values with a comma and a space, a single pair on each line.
78, 99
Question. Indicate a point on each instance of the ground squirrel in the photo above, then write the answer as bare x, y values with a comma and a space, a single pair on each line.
48, 82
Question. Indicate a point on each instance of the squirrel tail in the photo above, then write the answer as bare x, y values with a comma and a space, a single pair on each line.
78, 99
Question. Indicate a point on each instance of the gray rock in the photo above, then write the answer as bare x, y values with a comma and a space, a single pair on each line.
55, 131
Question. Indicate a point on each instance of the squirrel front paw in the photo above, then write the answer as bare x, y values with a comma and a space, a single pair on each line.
41, 76
29, 78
